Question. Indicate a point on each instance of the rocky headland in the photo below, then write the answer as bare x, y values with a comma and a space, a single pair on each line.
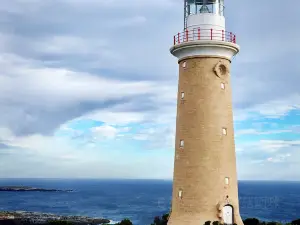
24, 188
35, 218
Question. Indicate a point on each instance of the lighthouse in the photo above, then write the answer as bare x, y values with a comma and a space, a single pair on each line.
205, 177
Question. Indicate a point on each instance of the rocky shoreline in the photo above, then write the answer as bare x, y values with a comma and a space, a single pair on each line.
35, 218
18, 189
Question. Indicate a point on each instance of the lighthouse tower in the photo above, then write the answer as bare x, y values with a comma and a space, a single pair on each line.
205, 178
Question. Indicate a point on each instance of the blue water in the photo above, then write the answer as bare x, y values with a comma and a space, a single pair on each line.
141, 200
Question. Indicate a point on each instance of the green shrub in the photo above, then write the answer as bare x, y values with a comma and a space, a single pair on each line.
296, 222
273, 223
251, 221
125, 222
59, 222
161, 221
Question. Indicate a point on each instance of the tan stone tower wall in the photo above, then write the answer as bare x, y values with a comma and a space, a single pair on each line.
207, 157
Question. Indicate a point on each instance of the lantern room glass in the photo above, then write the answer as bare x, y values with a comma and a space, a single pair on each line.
204, 6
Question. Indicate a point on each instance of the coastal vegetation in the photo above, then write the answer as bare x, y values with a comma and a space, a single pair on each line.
250, 221
49, 219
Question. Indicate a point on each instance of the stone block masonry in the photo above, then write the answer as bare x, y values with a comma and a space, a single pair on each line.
205, 178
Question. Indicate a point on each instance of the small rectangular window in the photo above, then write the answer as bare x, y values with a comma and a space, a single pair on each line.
222, 86
181, 143
224, 131
180, 194
184, 64
182, 95
227, 180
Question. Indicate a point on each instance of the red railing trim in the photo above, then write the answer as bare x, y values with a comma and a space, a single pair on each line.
222, 35
204, 34
187, 35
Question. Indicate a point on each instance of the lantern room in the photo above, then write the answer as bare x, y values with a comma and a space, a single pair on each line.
204, 13
204, 6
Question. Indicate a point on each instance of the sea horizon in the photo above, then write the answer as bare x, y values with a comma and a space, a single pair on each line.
129, 179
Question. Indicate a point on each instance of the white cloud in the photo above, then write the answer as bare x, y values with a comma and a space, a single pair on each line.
267, 146
114, 117
105, 131
133, 21
157, 137
278, 158
56, 90
70, 45
269, 160
63, 86
275, 145
276, 108
257, 132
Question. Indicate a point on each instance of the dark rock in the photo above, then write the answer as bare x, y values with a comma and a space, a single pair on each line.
35, 218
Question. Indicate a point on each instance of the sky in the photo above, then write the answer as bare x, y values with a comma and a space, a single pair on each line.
88, 88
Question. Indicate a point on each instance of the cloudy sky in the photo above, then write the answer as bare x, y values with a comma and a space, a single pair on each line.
88, 88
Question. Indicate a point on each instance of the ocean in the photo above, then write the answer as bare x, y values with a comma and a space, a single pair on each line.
142, 200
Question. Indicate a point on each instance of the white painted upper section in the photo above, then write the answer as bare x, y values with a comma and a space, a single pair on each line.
206, 21
205, 48
205, 33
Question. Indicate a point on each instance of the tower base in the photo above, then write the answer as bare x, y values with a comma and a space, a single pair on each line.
198, 219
